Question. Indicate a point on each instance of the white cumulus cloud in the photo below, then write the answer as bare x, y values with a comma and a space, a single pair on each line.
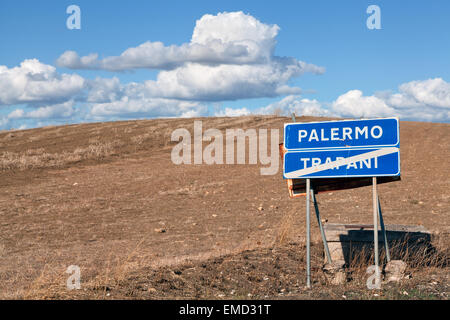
295, 104
152, 107
34, 81
226, 82
54, 111
232, 112
431, 92
354, 104
230, 56
421, 100
225, 38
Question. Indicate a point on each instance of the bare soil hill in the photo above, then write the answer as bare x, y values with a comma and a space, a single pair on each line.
107, 198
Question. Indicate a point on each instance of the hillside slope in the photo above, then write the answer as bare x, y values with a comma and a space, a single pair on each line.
106, 197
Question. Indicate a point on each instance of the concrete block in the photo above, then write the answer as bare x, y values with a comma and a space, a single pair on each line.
346, 241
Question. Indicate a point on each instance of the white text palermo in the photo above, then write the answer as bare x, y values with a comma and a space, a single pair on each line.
336, 134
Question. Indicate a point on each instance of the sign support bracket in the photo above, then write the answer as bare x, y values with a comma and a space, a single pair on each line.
322, 232
377, 213
383, 230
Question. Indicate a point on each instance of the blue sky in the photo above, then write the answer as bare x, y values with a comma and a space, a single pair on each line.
363, 69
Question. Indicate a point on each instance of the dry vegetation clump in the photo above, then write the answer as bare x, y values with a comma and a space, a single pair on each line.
424, 261
39, 158
265, 272
139, 140
45, 285
416, 254
286, 228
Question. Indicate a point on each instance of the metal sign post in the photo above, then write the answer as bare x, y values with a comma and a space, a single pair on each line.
308, 235
375, 223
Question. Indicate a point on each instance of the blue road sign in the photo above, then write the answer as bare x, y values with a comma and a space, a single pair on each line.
342, 134
354, 162
348, 148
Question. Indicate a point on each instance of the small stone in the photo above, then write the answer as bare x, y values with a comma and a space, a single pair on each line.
160, 230
335, 273
395, 270
260, 208
214, 215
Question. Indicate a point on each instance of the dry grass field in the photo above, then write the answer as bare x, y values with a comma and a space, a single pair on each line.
106, 197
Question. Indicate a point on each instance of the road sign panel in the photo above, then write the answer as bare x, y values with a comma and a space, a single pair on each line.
342, 134
344, 163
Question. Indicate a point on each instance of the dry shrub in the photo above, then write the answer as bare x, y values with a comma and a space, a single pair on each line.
46, 285
417, 254
117, 270
38, 158
278, 112
35, 152
167, 137
161, 134
94, 140
139, 140
286, 228
97, 151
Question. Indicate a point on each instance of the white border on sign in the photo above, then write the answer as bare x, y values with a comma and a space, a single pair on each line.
346, 120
